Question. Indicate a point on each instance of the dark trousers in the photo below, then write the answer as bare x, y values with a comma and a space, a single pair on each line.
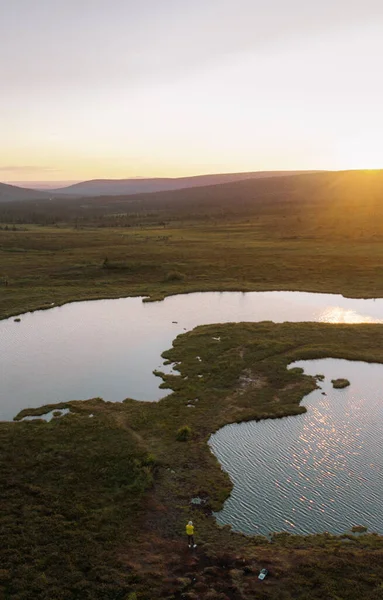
191, 540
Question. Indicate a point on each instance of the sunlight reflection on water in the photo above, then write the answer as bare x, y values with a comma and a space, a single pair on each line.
320, 471
337, 314
109, 348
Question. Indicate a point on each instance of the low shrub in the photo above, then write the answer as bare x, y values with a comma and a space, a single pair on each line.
184, 433
174, 276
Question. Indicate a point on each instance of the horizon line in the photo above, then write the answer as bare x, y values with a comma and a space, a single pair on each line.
68, 182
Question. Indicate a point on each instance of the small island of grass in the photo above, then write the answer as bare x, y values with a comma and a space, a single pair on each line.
340, 383
359, 529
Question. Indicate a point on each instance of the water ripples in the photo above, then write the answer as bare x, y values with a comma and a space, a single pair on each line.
320, 471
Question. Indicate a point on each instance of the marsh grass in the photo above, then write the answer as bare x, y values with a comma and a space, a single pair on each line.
72, 490
359, 529
114, 491
340, 383
95, 509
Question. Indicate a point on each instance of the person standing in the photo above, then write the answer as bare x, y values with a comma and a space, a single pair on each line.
190, 534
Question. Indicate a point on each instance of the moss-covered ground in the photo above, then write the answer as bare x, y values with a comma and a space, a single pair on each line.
95, 507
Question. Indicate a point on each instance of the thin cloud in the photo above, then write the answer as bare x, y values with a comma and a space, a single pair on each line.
152, 40
28, 169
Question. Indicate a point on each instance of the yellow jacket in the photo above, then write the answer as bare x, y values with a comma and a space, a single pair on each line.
189, 529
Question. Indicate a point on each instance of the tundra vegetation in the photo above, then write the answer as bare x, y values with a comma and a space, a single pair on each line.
95, 508
340, 383
319, 232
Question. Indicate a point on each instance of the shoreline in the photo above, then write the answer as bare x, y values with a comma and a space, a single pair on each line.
185, 470
159, 297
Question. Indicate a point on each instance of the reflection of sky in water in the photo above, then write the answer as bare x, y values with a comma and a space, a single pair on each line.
109, 348
49, 416
319, 471
336, 314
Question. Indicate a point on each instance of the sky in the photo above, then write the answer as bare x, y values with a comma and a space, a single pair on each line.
147, 88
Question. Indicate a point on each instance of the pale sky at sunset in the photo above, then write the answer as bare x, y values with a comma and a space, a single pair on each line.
126, 88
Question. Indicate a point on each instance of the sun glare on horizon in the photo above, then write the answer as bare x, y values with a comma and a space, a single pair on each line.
361, 157
263, 90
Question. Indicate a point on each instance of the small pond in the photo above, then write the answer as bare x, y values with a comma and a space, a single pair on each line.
320, 471
109, 348
53, 414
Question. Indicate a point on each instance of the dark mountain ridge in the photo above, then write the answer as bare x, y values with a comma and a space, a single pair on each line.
344, 194
118, 187
10, 193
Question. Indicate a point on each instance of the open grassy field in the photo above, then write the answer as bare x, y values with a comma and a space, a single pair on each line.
318, 232
74, 527
44, 265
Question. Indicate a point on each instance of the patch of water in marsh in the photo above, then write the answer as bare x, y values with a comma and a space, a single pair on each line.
109, 348
320, 471
53, 414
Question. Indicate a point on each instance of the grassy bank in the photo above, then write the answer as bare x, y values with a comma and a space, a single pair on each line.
42, 266
77, 479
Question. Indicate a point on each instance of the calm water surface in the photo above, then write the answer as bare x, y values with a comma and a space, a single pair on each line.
109, 348
321, 471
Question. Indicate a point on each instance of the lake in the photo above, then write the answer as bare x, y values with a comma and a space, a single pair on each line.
109, 348
320, 471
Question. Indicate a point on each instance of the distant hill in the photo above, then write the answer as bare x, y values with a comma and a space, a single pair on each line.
10, 193
334, 191
119, 187
43, 185
336, 201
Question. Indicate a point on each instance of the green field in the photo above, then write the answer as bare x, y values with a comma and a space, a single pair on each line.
95, 508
